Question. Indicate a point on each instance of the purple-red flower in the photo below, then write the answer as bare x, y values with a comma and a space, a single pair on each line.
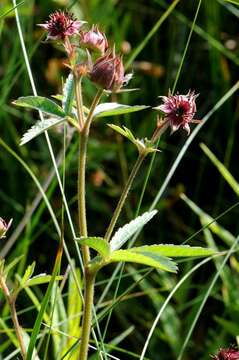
60, 25
227, 354
179, 110
94, 40
4, 227
108, 72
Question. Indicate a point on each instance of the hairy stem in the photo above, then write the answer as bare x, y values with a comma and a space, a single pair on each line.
89, 278
87, 316
84, 135
124, 196
12, 305
79, 102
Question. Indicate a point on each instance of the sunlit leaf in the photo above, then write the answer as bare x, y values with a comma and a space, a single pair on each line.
124, 131
40, 103
143, 145
125, 232
171, 250
39, 128
74, 310
146, 258
41, 279
112, 109
97, 243
60, 98
235, 2
68, 94
28, 273
44, 303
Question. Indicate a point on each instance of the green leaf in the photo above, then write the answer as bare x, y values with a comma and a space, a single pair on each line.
222, 169
68, 94
143, 145
39, 128
44, 303
26, 340
235, 2
231, 327
97, 243
124, 233
147, 258
174, 250
41, 279
112, 109
40, 103
74, 311
60, 98
124, 131
28, 273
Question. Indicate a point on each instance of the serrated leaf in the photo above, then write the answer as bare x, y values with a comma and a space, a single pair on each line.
143, 145
124, 131
39, 128
28, 273
171, 250
60, 98
124, 233
68, 94
149, 259
112, 109
40, 103
41, 279
97, 243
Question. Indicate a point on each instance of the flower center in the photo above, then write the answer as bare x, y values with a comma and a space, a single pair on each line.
179, 111
60, 24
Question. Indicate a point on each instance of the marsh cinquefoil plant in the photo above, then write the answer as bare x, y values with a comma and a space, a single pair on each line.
89, 55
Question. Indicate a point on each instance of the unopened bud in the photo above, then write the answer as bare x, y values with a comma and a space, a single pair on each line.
94, 40
108, 72
4, 227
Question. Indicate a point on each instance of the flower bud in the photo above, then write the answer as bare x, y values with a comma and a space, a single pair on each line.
94, 40
108, 72
4, 227
60, 25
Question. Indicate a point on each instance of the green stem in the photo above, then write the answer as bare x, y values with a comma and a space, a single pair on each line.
92, 109
11, 300
89, 277
87, 316
79, 102
84, 135
124, 196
